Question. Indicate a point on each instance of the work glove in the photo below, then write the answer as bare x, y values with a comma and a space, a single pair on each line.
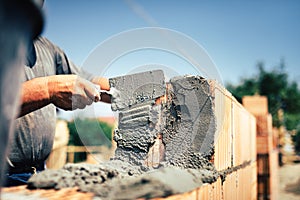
70, 92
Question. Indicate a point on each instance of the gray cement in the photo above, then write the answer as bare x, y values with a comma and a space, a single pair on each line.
192, 94
157, 183
137, 88
191, 123
84, 176
162, 149
136, 134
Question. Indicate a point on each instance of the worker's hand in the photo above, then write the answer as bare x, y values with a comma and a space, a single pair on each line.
70, 92
104, 85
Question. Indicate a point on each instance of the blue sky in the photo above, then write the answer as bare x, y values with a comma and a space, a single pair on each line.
236, 34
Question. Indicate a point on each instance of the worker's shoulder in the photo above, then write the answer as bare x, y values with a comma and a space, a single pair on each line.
44, 42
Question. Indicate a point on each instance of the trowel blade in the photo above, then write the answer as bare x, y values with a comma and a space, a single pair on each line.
136, 88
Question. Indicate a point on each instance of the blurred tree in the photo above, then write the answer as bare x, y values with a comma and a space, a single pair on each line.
281, 93
89, 132
296, 139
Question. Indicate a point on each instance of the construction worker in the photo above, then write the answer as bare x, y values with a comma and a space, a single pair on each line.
51, 80
20, 22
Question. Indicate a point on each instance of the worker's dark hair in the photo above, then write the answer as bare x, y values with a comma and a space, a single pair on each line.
39, 3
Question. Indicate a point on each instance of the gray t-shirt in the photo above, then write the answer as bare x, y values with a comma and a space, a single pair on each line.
34, 132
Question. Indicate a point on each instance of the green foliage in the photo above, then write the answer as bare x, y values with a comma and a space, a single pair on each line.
281, 93
249, 87
74, 138
90, 132
296, 139
291, 121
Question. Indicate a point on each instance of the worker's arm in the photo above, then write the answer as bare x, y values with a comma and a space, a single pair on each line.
104, 85
102, 82
68, 67
67, 92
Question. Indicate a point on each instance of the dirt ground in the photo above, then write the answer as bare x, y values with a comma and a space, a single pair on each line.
289, 182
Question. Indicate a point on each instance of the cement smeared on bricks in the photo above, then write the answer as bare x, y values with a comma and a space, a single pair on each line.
138, 117
157, 183
183, 128
87, 177
135, 134
191, 123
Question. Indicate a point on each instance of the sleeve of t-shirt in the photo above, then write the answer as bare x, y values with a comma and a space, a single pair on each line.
65, 66
70, 68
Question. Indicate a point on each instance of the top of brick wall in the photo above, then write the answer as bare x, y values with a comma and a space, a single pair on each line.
257, 105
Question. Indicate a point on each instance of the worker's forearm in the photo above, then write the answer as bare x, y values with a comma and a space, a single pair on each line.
104, 85
34, 95
103, 82
60, 90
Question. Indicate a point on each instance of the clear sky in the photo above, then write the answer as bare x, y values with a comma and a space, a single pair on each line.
236, 34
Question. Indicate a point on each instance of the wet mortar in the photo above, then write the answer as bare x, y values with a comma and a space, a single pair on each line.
181, 128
